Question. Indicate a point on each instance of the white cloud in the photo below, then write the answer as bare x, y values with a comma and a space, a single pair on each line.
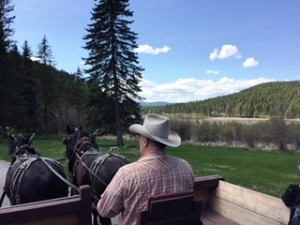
215, 72
250, 62
227, 51
147, 49
36, 59
191, 89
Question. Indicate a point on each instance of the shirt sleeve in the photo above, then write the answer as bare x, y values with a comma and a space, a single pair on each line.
111, 202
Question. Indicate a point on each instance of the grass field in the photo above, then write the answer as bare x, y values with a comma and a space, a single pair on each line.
267, 172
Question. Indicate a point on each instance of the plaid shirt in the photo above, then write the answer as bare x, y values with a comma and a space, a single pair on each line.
133, 184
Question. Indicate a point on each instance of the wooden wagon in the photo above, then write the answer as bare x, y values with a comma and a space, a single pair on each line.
74, 210
228, 204
222, 203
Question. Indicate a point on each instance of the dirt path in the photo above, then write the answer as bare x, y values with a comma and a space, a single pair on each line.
3, 169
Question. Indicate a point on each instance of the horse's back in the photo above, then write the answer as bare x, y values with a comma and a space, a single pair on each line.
31, 180
103, 170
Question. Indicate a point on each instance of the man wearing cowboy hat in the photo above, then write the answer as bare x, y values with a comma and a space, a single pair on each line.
154, 173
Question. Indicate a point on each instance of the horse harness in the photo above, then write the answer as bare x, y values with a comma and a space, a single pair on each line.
23, 164
95, 167
78, 157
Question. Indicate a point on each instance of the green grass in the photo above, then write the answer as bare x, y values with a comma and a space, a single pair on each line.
267, 172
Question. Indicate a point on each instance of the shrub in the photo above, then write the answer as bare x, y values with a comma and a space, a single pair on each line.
249, 135
183, 128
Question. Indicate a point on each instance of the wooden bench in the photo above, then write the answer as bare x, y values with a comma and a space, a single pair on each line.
238, 204
74, 210
204, 187
248, 207
172, 209
180, 208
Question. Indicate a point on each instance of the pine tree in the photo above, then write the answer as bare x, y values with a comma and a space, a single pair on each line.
114, 64
5, 79
29, 91
47, 81
5, 21
14, 84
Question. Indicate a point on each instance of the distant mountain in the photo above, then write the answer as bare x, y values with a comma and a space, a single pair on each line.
263, 100
147, 104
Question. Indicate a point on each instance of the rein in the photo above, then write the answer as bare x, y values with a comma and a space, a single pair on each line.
58, 175
17, 149
79, 157
76, 149
47, 165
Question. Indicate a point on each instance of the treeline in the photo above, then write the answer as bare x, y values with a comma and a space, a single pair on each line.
274, 133
264, 100
36, 97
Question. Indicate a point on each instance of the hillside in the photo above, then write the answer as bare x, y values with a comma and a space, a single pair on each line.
264, 100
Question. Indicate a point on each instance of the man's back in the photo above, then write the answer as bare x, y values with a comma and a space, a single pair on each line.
150, 175
154, 173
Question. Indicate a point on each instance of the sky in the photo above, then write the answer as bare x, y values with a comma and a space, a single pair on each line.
190, 50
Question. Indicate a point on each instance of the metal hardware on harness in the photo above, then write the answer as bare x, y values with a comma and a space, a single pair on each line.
96, 165
23, 167
18, 176
88, 169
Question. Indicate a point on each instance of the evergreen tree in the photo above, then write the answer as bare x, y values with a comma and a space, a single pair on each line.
14, 87
29, 91
71, 99
78, 92
113, 62
5, 21
5, 79
47, 80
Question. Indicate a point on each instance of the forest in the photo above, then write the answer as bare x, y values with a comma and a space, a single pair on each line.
35, 94
260, 101
36, 97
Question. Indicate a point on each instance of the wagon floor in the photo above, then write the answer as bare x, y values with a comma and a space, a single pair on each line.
209, 217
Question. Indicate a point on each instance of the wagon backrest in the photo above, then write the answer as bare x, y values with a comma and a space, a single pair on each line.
75, 210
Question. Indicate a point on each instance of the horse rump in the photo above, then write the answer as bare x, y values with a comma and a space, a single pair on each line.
30, 180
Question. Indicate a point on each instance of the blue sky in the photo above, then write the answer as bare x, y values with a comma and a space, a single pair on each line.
190, 50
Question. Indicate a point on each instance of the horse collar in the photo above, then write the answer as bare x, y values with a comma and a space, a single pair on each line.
18, 148
77, 150
83, 142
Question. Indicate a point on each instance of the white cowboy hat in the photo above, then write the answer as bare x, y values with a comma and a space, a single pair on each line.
157, 127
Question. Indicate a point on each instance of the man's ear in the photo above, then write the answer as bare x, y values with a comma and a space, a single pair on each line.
146, 141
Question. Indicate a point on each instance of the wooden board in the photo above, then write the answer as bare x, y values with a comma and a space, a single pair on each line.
75, 210
248, 207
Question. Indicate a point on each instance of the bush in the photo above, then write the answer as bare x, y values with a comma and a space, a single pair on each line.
274, 131
249, 135
183, 128
278, 132
294, 134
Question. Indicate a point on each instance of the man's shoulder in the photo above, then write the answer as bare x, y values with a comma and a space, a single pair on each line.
130, 167
178, 160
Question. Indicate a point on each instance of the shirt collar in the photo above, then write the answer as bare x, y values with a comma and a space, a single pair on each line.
153, 155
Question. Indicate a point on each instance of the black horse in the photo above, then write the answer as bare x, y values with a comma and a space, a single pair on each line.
30, 177
88, 166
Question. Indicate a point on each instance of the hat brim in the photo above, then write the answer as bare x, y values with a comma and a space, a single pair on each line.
173, 139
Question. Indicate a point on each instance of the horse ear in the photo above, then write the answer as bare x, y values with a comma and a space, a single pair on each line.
28, 138
12, 137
